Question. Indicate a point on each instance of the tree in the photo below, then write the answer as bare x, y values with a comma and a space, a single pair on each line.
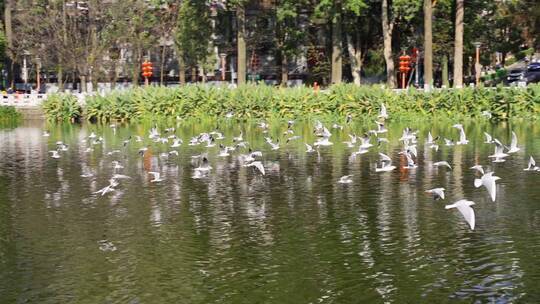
458, 45
361, 32
400, 10
388, 28
8, 5
289, 36
168, 19
428, 44
334, 12
193, 32
239, 6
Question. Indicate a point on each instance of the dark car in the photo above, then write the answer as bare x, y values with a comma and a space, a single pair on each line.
515, 75
532, 75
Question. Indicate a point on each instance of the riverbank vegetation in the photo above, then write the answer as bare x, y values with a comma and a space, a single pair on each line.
263, 102
62, 107
9, 114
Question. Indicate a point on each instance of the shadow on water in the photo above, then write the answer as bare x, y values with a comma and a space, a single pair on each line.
292, 236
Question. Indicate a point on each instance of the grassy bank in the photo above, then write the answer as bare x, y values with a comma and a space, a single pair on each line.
9, 114
258, 101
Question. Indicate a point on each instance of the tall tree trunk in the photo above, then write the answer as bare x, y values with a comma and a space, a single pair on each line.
135, 70
428, 45
162, 64
83, 83
337, 51
355, 54
9, 40
388, 27
241, 43
181, 69
194, 74
284, 69
203, 73
445, 82
458, 46
60, 78
114, 78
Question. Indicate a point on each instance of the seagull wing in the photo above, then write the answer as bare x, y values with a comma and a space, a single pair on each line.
259, 166
385, 158
410, 161
488, 137
532, 163
439, 192
488, 180
462, 136
383, 110
468, 213
513, 143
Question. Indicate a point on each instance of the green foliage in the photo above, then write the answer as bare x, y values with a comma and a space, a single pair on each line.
62, 107
260, 101
193, 32
9, 113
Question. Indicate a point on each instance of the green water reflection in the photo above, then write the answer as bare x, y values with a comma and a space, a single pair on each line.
292, 236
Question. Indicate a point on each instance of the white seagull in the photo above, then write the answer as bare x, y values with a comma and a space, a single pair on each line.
499, 154
382, 113
489, 139
488, 180
257, 164
442, 163
346, 179
386, 164
157, 177
462, 138
54, 154
464, 206
513, 144
438, 193
532, 165
478, 168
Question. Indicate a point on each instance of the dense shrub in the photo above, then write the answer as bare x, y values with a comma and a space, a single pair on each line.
62, 107
259, 101
9, 113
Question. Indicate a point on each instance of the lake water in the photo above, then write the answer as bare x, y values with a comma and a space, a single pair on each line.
294, 235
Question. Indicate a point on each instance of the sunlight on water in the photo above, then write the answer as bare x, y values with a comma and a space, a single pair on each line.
294, 235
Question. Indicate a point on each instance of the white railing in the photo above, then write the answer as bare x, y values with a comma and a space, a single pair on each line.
30, 100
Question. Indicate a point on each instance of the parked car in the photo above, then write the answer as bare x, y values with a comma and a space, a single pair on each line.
532, 75
515, 75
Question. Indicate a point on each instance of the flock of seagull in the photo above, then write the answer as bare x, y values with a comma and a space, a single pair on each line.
253, 159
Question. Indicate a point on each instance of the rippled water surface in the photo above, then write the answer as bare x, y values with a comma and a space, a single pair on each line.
292, 236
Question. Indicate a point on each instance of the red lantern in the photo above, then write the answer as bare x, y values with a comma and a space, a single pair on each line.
404, 63
404, 68
146, 68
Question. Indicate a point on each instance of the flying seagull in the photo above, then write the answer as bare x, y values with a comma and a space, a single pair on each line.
157, 177
488, 180
513, 144
532, 165
438, 193
386, 164
442, 163
257, 164
464, 206
478, 168
346, 179
499, 154
462, 138
382, 113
